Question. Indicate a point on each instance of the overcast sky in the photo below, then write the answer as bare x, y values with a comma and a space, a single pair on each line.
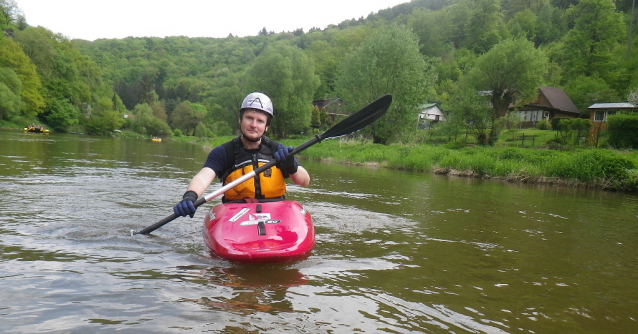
94, 19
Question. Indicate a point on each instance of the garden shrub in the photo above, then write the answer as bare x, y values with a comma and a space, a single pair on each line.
623, 130
544, 125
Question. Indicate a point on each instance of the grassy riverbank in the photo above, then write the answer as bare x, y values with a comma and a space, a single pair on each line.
596, 168
584, 167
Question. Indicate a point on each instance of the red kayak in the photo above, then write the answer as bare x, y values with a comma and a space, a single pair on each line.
259, 232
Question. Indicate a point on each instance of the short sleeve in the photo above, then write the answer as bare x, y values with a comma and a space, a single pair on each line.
216, 160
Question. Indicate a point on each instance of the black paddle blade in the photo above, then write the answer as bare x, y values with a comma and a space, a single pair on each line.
361, 118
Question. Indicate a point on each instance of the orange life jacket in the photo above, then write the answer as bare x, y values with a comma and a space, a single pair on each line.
267, 185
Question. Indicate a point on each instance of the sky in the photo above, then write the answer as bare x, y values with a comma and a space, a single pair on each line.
95, 19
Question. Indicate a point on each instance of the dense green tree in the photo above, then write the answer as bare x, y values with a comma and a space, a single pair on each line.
326, 58
434, 31
9, 13
587, 90
185, 119
145, 92
159, 111
62, 115
523, 24
202, 131
104, 122
587, 47
10, 86
468, 110
388, 62
145, 123
286, 75
513, 7
224, 99
66, 74
551, 25
485, 28
315, 122
511, 72
12, 56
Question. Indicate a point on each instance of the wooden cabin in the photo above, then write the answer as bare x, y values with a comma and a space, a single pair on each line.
551, 103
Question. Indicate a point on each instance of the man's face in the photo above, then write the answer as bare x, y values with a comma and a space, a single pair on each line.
253, 124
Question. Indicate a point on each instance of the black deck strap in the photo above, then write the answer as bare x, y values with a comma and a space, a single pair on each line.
261, 227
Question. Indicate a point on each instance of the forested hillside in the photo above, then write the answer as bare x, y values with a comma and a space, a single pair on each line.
422, 51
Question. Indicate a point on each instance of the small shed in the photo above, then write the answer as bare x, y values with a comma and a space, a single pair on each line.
430, 112
598, 113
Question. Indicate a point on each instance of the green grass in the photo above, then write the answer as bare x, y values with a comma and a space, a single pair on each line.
598, 168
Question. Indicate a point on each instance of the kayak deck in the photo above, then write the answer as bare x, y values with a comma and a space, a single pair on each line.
259, 232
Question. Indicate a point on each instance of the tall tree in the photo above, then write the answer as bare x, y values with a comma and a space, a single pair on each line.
387, 62
10, 86
587, 47
512, 71
12, 56
286, 75
486, 27
433, 29
468, 110
9, 13
185, 119
64, 71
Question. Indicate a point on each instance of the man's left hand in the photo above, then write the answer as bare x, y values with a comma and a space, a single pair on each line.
286, 160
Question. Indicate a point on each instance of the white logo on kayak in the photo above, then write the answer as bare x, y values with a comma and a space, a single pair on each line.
255, 222
259, 216
239, 214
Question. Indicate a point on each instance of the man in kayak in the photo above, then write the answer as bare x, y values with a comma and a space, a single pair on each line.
243, 154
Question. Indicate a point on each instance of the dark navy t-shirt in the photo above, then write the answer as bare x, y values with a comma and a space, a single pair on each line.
216, 160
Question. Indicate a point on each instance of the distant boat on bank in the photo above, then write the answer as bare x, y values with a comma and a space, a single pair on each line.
36, 128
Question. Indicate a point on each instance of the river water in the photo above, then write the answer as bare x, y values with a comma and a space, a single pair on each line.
396, 252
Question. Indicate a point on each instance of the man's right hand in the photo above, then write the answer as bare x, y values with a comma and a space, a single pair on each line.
186, 206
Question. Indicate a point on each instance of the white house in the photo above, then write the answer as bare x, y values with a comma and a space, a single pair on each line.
430, 112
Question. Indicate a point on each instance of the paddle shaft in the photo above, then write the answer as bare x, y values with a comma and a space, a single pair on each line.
354, 122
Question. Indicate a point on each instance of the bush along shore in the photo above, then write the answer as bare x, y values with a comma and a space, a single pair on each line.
592, 168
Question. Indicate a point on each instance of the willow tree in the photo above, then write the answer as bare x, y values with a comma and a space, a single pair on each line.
511, 73
388, 62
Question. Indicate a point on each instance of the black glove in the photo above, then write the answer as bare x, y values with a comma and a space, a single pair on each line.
186, 206
286, 161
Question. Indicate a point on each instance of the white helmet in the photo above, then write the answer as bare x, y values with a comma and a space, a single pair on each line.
258, 101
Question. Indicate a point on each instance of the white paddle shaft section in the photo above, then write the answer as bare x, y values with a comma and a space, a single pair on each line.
227, 187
